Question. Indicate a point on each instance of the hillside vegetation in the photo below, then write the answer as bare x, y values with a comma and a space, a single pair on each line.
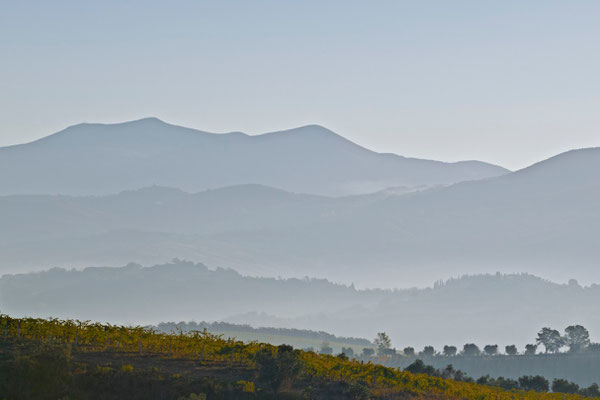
299, 338
51, 358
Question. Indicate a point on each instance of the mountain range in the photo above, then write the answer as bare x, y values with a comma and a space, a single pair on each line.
103, 159
543, 219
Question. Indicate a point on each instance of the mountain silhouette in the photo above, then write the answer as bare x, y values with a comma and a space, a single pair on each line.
100, 159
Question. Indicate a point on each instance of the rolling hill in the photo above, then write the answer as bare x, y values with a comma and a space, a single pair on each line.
468, 309
543, 219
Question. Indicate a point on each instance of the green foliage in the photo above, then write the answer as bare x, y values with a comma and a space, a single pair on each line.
511, 350
550, 339
277, 367
383, 343
42, 373
537, 383
577, 338
450, 351
42, 367
126, 368
564, 386
471, 349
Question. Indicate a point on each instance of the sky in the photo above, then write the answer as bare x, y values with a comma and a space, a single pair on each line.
508, 82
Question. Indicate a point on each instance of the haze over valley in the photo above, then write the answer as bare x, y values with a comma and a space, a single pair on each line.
444, 221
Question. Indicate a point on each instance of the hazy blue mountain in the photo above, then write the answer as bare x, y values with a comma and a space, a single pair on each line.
543, 219
468, 309
103, 159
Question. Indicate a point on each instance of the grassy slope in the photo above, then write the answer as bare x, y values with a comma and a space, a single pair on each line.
88, 359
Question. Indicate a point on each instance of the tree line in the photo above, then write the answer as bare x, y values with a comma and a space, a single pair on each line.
576, 339
536, 383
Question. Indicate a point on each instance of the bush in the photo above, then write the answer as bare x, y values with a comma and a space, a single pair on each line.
127, 368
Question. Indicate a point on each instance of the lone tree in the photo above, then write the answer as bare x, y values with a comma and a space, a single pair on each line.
530, 349
409, 351
326, 348
367, 352
511, 350
551, 340
383, 343
471, 349
577, 338
450, 351
428, 351
491, 349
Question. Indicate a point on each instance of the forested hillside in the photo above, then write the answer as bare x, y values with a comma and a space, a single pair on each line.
468, 309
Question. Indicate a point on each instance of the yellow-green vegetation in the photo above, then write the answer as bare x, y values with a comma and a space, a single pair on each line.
298, 342
277, 367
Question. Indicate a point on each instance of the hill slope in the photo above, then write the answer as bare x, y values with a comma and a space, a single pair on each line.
543, 219
470, 309
102, 159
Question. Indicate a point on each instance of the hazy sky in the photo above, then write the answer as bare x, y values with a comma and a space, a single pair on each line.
509, 82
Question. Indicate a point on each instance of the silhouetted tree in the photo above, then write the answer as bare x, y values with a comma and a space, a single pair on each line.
409, 351
368, 352
564, 386
530, 349
593, 348
537, 383
348, 351
326, 348
511, 350
550, 339
577, 338
383, 343
505, 383
450, 351
471, 349
591, 391
491, 349
428, 351
419, 367
448, 372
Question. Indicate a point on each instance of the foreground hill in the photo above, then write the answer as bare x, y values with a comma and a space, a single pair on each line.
71, 359
470, 309
102, 159
543, 219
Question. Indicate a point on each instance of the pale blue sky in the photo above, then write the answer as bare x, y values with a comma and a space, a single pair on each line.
509, 82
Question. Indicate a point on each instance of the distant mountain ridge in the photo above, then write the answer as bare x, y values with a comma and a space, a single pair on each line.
462, 310
100, 159
543, 219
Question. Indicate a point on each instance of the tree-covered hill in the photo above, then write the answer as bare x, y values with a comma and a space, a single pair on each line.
50, 359
468, 309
